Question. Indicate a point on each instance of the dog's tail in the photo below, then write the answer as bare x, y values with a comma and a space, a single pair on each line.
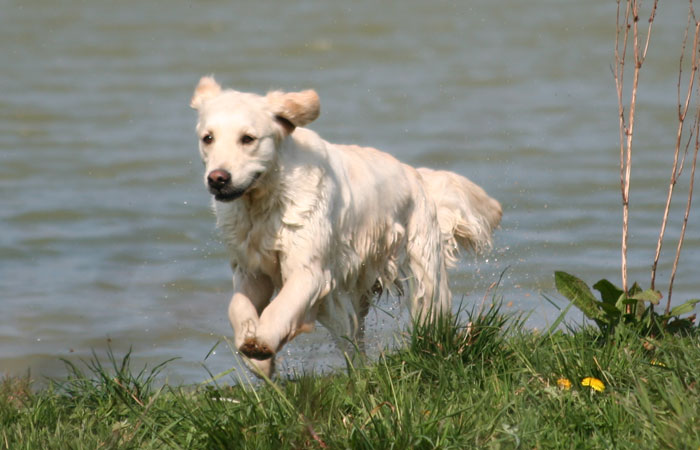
466, 214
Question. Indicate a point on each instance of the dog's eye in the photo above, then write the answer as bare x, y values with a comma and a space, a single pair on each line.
208, 138
247, 139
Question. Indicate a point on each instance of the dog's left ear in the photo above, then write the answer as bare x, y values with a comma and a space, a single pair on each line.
206, 89
294, 109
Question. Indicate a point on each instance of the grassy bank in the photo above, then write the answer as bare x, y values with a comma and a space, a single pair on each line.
493, 384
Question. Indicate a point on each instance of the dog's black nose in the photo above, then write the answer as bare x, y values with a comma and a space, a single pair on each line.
218, 178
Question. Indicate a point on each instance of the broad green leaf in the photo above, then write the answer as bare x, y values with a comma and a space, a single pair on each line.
610, 310
684, 308
608, 291
679, 325
649, 295
634, 290
580, 295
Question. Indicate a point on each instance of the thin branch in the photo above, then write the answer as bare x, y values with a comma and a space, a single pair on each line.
687, 211
626, 128
676, 170
696, 132
620, 57
651, 21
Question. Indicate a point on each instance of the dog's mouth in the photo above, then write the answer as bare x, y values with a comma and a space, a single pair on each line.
226, 195
230, 193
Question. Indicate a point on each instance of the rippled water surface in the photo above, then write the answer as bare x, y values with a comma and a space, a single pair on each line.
106, 232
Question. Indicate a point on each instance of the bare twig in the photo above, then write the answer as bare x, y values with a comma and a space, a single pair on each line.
627, 28
687, 212
683, 107
631, 21
619, 73
696, 132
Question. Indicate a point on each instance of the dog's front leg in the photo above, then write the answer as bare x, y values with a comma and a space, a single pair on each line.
251, 294
288, 314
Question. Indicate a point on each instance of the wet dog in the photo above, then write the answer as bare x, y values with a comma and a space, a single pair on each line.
315, 230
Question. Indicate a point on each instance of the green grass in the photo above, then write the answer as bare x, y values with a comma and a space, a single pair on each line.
492, 384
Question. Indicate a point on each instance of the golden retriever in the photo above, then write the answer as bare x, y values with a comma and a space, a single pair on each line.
315, 230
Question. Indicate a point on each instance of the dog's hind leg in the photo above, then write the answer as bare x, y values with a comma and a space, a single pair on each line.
362, 311
343, 314
429, 293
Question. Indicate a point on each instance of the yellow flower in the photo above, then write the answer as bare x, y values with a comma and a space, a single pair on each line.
564, 384
658, 363
593, 383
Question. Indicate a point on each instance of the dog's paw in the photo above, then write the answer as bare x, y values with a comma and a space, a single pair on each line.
264, 368
256, 350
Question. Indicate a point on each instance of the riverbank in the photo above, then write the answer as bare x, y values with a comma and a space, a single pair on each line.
489, 384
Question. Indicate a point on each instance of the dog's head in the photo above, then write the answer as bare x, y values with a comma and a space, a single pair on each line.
239, 133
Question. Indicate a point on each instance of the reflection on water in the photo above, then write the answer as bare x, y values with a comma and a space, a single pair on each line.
107, 235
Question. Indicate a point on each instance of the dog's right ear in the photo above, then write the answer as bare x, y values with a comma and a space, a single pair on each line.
206, 88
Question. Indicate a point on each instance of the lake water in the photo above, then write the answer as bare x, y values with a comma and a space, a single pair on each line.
106, 233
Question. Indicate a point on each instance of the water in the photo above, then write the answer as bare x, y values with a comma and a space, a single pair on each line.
107, 236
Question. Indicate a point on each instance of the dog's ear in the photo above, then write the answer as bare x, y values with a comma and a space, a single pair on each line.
206, 89
294, 109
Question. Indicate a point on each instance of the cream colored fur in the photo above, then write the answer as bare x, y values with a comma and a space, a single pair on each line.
321, 228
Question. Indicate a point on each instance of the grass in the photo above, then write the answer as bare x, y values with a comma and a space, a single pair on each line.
491, 384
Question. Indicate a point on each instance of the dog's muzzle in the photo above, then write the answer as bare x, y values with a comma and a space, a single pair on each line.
219, 182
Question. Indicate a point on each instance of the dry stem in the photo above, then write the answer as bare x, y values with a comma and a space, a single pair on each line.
687, 211
677, 168
627, 127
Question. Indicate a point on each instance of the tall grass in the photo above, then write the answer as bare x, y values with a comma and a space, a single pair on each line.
480, 381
